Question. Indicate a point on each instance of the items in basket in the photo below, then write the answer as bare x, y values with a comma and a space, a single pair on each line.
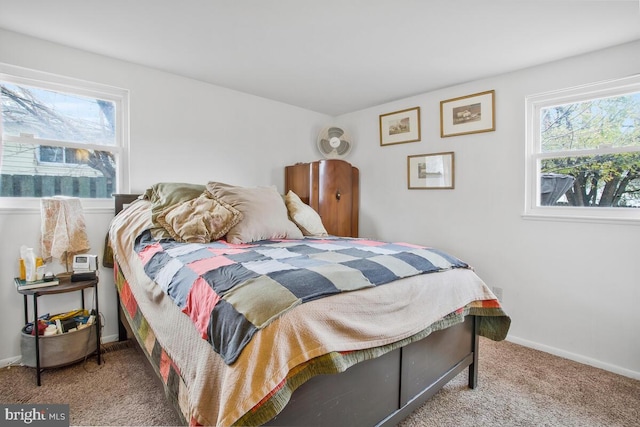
61, 323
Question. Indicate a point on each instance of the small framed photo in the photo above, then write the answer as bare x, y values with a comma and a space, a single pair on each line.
468, 114
431, 171
400, 126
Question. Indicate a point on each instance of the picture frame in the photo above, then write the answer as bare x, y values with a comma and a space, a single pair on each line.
400, 127
434, 171
468, 114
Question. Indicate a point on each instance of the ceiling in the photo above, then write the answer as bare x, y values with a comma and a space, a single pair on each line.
330, 56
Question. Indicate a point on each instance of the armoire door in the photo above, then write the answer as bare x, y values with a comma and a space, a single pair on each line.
331, 187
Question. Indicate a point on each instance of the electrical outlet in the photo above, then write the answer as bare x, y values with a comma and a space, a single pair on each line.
497, 292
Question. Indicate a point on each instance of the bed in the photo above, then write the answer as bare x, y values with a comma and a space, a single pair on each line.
368, 353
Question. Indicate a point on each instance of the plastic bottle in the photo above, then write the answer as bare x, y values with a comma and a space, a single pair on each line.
30, 265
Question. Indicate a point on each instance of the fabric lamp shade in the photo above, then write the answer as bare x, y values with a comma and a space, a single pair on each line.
64, 232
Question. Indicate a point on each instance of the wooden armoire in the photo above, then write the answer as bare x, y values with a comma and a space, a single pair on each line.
332, 188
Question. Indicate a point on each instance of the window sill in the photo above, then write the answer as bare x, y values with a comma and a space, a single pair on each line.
602, 216
30, 205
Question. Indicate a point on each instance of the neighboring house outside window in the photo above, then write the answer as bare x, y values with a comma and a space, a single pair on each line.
583, 152
60, 136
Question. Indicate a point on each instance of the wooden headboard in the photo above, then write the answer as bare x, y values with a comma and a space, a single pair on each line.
123, 199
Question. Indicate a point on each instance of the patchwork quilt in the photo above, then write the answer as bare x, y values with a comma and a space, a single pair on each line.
230, 291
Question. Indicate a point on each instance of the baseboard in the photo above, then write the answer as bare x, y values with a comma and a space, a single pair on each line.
10, 361
575, 357
16, 359
109, 338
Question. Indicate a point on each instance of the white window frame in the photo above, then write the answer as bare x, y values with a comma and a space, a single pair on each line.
44, 80
534, 104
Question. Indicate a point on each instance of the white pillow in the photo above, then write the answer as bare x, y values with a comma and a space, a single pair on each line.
305, 217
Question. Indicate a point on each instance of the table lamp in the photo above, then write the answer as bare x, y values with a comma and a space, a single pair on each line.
64, 231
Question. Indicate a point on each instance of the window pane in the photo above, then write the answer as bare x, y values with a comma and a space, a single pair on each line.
73, 155
56, 115
51, 154
79, 173
603, 180
598, 123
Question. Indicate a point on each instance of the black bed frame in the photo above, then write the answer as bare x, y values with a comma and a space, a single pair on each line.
385, 390
381, 391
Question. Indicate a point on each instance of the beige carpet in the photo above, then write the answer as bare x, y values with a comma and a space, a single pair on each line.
120, 392
517, 387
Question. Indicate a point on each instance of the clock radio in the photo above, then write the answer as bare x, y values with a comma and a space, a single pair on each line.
83, 263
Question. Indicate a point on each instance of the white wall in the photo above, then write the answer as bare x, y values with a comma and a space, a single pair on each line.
571, 288
181, 130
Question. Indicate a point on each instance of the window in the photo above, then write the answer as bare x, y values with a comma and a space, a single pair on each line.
59, 155
583, 152
60, 136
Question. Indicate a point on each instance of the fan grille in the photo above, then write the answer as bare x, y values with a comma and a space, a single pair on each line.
334, 142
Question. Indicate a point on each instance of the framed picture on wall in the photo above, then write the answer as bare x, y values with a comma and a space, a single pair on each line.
431, 171
468, 114
400, 126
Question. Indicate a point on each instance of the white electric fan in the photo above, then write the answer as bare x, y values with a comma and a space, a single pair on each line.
334, 143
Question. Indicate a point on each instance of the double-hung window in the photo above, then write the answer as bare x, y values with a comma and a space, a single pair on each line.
583, 152
60, 136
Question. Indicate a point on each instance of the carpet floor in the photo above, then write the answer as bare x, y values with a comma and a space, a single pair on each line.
517, 386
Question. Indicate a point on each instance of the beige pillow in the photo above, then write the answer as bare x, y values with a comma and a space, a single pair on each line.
305, 217
263, 210
163, 195
199, 220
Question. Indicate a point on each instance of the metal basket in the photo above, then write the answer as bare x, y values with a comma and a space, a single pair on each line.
60, 349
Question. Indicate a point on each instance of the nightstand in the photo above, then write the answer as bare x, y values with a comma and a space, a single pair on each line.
61, 288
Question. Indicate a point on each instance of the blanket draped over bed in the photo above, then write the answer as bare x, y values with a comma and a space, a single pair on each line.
232, 291
325, 335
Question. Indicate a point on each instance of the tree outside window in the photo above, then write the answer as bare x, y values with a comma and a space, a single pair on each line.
584, 151
58, 140
608, 126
